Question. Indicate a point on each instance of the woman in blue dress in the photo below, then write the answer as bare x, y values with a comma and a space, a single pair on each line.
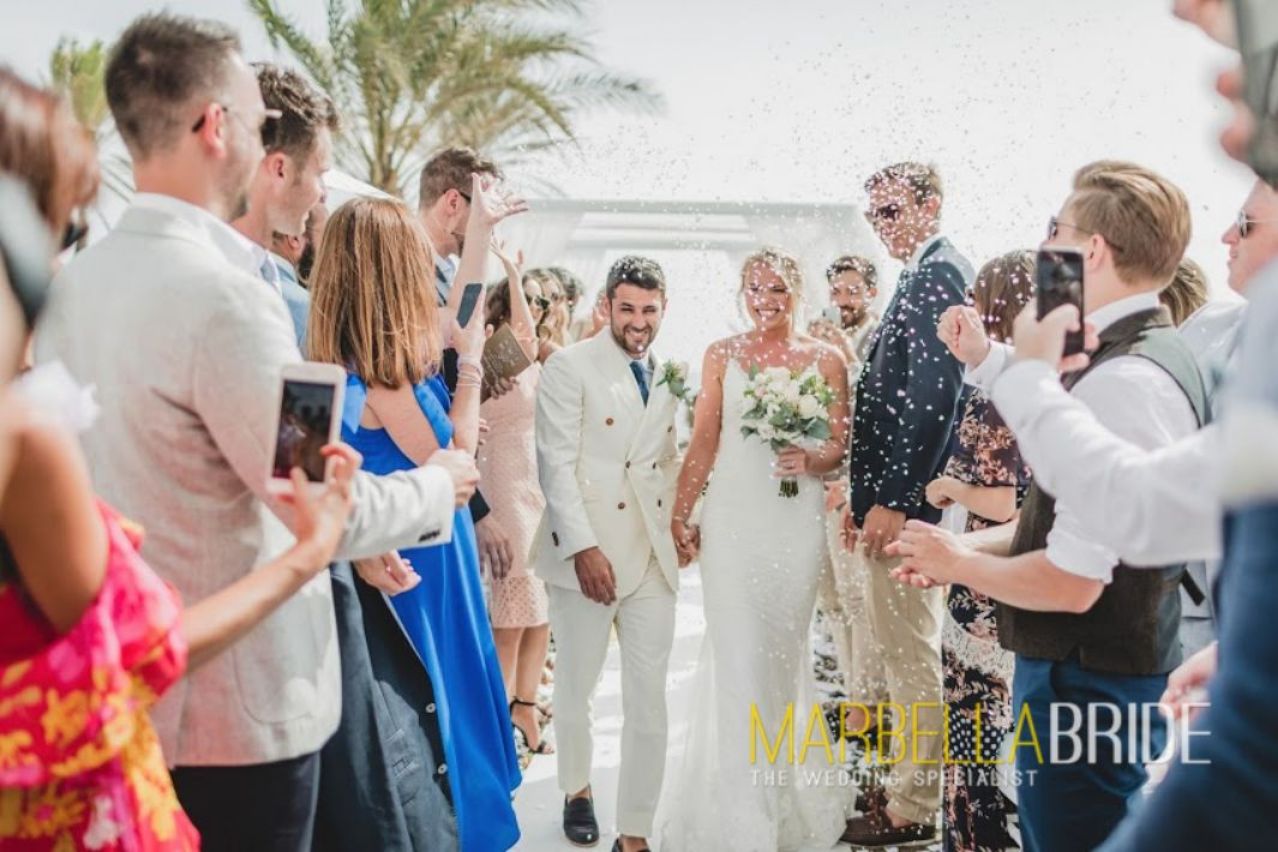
374, 312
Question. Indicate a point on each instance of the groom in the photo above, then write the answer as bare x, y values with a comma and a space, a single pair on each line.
607, 463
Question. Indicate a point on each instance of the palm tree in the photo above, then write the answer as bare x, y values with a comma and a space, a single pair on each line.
413, 75
77, 72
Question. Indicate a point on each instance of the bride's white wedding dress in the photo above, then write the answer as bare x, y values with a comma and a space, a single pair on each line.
761, 558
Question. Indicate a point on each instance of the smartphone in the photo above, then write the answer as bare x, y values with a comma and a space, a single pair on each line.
1257, 22
469, 300
1059, 278
310, 416
832, 314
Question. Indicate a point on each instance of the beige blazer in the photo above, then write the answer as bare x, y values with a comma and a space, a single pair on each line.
185, 350
607, 465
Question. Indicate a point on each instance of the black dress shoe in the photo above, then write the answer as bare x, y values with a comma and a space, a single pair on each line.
580, 826
616, 846
875, 831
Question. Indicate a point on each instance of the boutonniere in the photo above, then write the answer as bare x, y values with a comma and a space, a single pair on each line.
674, 375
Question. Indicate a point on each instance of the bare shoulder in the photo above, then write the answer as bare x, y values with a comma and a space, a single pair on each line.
827, 358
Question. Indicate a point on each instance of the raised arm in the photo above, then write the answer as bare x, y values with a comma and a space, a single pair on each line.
521, 318
489, 205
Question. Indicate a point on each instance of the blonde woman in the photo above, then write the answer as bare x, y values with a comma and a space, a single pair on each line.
761, 560
372, 313
553, 328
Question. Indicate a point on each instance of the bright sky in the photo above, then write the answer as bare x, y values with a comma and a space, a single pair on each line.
799, 100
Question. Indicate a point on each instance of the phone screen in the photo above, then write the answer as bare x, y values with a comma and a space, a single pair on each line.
470, 298
306, 416
1060, 282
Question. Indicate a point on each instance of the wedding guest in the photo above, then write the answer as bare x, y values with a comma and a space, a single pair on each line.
906, 403
553, 328
508, 461
573, 290
289, 182
987, 479
1086, 628
444, 208
87, 622
398, 414
1186, 293
853, 285
187, 425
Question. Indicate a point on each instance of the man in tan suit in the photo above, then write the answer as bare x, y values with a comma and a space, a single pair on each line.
607, 462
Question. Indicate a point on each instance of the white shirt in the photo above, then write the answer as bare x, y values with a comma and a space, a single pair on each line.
1131, 397
923, 249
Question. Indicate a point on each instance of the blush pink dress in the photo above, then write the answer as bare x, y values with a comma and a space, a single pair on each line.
508, 471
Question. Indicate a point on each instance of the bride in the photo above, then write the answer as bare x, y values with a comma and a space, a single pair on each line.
761, 556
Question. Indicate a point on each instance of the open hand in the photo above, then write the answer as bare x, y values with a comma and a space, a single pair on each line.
491, 203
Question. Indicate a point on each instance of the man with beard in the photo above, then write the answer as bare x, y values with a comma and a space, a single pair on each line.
607, 459
169, 317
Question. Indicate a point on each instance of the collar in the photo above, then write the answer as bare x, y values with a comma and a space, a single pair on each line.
922, 250
1125, 307
234, 246
648, 361
284, 271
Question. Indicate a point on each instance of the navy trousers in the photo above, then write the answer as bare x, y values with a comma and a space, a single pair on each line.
1072, 805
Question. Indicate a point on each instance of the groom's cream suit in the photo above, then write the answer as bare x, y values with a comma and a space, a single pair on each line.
608, 465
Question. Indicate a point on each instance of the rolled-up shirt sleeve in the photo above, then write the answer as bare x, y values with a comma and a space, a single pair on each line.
1137, 401
984, 374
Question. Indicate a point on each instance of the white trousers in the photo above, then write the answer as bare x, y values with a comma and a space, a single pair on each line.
645, 621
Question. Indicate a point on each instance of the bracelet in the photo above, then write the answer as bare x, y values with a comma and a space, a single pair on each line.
477, 369
470, 360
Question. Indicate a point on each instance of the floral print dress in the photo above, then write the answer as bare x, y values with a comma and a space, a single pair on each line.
80, 764
978, 672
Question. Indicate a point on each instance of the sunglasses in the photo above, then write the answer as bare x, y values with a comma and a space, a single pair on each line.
74, 233
538, 302
1246, 224
267, 115
1055, 224
886, 213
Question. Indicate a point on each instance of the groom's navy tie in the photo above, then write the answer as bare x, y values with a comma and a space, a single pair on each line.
637, 369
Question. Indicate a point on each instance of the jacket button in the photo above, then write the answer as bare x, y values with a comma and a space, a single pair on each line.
608, 422
658, 503
442, 770
621, 505
669, 428
627, 465
554, 537
430, 708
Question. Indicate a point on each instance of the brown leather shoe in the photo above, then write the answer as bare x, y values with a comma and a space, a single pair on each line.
871, 799
875, 831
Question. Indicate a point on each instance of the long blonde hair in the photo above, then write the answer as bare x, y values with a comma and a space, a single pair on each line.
373, 297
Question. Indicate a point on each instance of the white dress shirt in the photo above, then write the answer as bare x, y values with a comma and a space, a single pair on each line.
1131, 397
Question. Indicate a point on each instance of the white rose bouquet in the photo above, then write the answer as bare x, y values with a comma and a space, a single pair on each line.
785, 409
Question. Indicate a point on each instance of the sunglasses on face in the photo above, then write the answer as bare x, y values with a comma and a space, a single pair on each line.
1055, 224
885, 213
1246, 224
540, 302
267, 115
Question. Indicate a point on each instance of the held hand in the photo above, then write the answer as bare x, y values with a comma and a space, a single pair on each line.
461, 467
847, 529
1186, 684
929, 551
1044, 340
963, 333
595, 576
469, 341
687, 539
792, 461
911, 578
938, 491
389, 573
882, 527
320, 515
490, 203
495, 551
836, 495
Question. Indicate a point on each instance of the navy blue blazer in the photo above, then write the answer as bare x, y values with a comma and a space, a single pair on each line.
908, 394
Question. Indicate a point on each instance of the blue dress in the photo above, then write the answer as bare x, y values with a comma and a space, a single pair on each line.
446, 620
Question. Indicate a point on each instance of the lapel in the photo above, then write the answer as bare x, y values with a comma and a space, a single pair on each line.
902, 284
615, 367
658, 400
